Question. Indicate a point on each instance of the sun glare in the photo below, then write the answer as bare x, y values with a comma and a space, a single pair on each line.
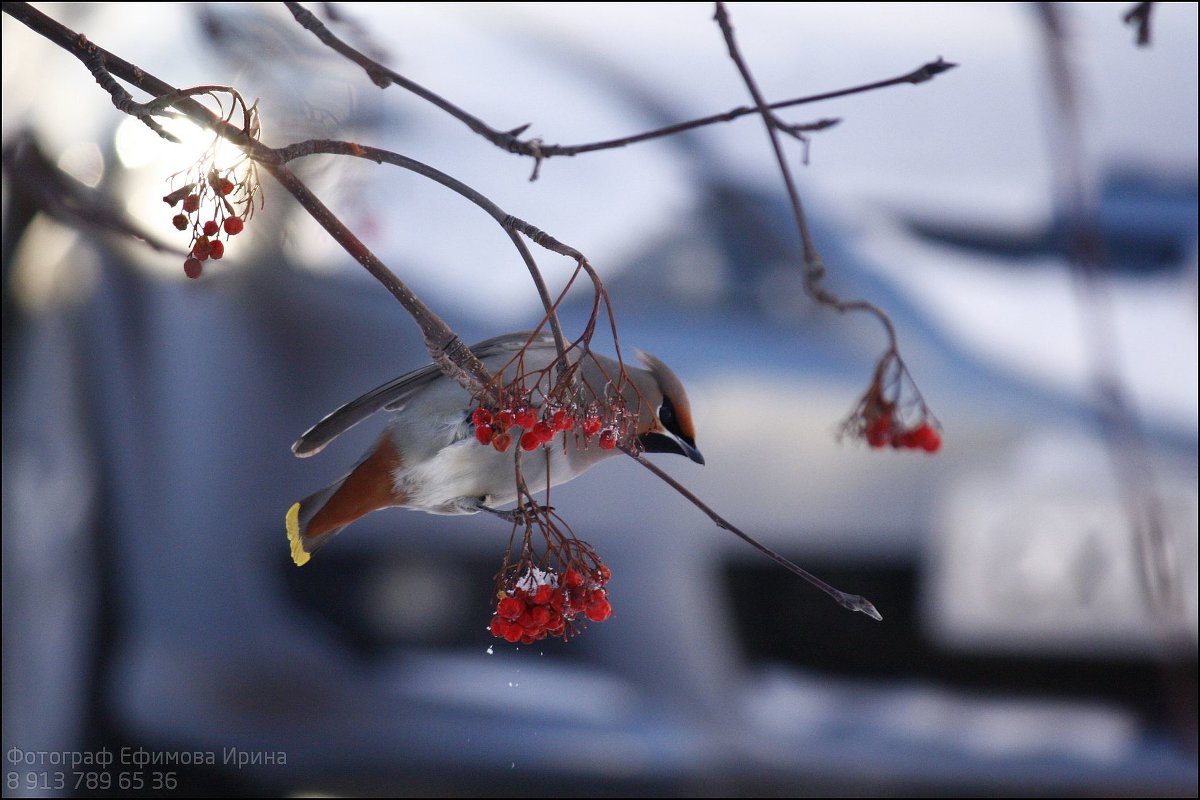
159, 167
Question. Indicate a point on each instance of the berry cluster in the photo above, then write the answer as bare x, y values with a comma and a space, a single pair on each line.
884, 430
205, 243
539, 426
892, 411
544, 603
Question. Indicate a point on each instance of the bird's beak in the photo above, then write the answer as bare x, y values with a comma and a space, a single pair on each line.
691, 452
667, 442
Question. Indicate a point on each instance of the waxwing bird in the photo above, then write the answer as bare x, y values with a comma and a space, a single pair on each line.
433, 457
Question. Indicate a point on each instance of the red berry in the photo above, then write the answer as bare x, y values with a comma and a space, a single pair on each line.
191, 203
179, 221
224, 186
510, 607
216, 249
927, 438
608, 439
481, 416
543, 595
602, 575
211, 228
498, 626
577, 603
541, 615
192, 268
513, 633
201, 248
598, 607
590, 426
572, 579
562, 421
526, 417
501, 441
557, 599
543, 432
484, 433
530, 441
233, 225
877, 433
504, 420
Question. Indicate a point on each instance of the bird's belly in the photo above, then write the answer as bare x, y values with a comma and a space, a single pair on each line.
459, 477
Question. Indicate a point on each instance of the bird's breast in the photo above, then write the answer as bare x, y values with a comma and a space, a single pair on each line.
455, 479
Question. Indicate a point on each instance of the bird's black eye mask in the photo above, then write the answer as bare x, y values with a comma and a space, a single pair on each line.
666, 415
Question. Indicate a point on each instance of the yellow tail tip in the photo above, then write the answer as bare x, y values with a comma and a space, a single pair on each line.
299, 554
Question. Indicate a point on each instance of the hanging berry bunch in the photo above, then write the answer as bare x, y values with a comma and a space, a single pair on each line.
551, 592
532, 409
218, 200
892, 411
532, 426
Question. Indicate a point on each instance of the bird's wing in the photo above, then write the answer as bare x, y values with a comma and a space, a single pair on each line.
395, 393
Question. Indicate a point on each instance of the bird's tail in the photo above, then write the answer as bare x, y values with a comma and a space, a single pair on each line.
369, 486
302, 535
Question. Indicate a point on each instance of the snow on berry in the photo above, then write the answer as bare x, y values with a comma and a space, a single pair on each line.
533, 579
542, 602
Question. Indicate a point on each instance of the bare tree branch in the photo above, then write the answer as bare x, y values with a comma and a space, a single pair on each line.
1139, 18
852, 602
444, 346
539, 151
1088, 257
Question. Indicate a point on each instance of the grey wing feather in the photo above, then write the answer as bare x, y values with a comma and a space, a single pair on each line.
391, 395
395, 393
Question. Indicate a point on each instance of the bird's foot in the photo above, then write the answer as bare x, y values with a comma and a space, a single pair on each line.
522, 514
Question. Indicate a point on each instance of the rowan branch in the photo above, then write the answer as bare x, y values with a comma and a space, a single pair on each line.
509, 141
852, 602
1086, 253
1138, 17
444, 346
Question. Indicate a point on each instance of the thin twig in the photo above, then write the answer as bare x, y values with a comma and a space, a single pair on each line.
1139, 17
512, 225
120, 98
853, 602
1088, 257
814, 271
444, 346
539, 151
